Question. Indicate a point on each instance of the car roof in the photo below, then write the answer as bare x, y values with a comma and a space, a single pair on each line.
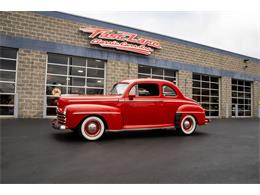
146, 80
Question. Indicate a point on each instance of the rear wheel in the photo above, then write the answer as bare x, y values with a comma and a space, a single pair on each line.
92, 128
187, 125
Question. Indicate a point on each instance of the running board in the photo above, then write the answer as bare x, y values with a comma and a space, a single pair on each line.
140, 129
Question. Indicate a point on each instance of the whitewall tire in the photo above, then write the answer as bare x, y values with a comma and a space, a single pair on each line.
188, 125
92, 128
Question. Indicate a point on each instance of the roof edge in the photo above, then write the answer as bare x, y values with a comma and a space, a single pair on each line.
82, 19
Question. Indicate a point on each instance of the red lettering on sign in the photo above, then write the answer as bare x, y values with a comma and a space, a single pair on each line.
121, 40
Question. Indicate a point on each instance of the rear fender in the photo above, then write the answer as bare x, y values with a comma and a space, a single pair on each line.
75, 113
195, 110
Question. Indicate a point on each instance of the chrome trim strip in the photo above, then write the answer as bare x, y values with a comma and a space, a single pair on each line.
140, 129
96, 113
92, 100
141, 100
190, 112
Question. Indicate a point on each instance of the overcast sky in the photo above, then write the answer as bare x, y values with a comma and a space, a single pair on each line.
233, 31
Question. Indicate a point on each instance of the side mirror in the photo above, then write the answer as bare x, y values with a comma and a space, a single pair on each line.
131, 97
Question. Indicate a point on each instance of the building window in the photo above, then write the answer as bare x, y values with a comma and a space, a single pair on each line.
205, 90
156, 73
241, 98
72, 75
8, 60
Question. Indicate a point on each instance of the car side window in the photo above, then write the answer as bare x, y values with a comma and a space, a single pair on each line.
168, 91
147, 89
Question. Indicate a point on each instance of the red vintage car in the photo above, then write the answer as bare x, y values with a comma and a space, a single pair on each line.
135, 104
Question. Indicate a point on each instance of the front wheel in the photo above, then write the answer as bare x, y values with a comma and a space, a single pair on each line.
187, 125
92, 128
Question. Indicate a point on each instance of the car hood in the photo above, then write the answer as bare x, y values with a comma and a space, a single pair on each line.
84, 99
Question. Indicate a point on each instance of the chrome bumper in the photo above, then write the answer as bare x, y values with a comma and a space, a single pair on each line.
56, 125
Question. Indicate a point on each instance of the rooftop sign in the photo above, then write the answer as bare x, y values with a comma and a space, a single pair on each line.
121, 40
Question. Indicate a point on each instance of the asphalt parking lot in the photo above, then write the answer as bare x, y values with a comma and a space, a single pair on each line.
225, 151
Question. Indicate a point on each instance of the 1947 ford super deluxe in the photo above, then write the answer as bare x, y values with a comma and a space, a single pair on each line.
135, 104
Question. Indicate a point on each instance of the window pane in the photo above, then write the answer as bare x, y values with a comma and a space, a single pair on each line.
205, 98
95, 73
51, 111
57, 58
78, 61
157, 77
247, 95
7, 99
196, 91
143, 76
240, 82
55, 80
95, 82
196, 76
52, 101
240, 95
234, 87
240, 88
205, 85
247, 89
214, 113
7, 76
7, 87
247, 101
205, 91
55, 69
6, 110
247, 113
96, 63
168, 72
168, 91
144, 69
76, 90
197, 98
170, 79
247, 83
77, 71
148, 90
7, 52
214, 92
7, 64
214, 107
214, 99
196, 84
214, 79
214, 86
234, 101
205, 106
75, 81
157, 71
205, 78
91, 91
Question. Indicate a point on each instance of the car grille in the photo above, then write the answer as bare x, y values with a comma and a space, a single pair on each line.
61, 118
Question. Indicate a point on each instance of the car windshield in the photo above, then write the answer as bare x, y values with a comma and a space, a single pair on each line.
119, 88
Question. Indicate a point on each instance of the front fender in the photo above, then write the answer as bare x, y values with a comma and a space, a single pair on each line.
193, 109
111, 115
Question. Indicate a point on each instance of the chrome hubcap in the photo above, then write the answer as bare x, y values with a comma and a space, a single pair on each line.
92, 127
186, 124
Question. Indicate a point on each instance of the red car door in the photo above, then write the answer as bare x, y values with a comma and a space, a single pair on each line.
143, 107
171, 102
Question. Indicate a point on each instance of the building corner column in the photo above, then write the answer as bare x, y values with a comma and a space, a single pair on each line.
31, 83
225, 97
185, 82
256, 98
